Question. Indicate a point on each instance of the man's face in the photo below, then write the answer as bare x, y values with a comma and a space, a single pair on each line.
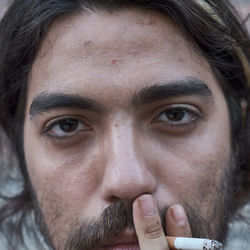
119, 105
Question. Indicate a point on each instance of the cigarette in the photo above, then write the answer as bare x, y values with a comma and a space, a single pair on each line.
184, 243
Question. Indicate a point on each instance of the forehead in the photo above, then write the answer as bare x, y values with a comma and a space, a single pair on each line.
99, 52
123, 32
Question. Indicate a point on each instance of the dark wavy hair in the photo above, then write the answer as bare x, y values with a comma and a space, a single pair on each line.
213, 28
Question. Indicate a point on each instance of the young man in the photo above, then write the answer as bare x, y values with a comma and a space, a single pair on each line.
129, 119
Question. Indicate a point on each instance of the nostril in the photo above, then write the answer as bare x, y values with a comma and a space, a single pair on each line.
113, 199
122, 204
125, 200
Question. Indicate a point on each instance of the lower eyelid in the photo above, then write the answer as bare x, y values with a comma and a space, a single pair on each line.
62, 140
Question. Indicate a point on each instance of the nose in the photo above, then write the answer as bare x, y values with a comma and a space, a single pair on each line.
126, 174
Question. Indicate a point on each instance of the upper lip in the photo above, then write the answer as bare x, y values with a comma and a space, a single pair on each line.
128, 237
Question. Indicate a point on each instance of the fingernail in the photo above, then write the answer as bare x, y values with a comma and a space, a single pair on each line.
147, 205
179, 216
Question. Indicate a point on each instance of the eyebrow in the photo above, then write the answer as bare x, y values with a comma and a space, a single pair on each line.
46, 101
185, 87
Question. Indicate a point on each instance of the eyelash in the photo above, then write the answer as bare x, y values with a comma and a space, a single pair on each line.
188, 110
63, 138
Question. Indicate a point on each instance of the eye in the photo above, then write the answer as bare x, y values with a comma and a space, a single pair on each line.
179, 115
65, 127
176, 115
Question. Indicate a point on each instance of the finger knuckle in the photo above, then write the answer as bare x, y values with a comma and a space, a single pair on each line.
153, 230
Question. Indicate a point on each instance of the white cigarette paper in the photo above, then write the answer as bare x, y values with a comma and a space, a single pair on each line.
183, 243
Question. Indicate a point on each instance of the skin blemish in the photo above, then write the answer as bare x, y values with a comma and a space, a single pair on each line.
87, 43
181, 60
136, 53
113, 61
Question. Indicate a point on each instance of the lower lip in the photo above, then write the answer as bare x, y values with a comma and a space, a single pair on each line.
132, 246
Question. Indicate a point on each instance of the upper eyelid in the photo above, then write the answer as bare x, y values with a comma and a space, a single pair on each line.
197, 117
46, 117
49, 124
187, 111
188, 107
159, 109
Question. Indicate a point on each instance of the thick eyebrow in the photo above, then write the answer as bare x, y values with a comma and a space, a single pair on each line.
47, 101
184, 87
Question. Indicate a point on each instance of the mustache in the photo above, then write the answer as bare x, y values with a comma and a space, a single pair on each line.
97, 232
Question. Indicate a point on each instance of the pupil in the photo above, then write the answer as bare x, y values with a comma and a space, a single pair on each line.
68, 125
175, 114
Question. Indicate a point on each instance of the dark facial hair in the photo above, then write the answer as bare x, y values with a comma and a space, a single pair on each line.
93, 234
113, 221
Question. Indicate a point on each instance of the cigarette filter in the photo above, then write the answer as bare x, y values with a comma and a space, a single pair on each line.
183, 243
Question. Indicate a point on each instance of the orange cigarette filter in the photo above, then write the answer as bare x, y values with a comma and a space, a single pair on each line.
171, 241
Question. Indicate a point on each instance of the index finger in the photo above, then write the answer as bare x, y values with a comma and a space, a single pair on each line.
148, 224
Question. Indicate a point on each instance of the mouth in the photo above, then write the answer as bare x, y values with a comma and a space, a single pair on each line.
125, 241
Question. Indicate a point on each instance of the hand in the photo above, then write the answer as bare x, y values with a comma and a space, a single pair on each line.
148, 223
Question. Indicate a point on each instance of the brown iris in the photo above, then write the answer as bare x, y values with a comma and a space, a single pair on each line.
175, 114
68, 125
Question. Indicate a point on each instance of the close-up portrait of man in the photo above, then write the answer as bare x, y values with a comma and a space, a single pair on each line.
122, 122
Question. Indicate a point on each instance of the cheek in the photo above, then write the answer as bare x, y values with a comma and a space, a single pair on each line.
191, 169
63, 181
64, 184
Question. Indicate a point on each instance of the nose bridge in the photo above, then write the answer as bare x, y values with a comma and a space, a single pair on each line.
124, 148
126, 174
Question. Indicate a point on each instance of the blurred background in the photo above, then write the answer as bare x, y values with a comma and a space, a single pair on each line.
239, 236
